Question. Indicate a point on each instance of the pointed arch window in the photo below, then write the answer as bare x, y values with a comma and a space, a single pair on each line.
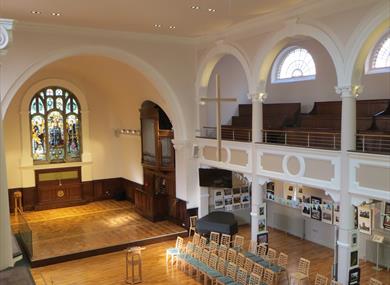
55, 126
293, 64
378, 60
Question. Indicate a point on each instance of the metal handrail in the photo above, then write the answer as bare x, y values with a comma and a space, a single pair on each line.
375, 143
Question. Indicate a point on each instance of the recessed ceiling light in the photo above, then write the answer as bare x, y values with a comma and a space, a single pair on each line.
172, 27
211, 10
194, 7
56, 14
157, 25
35, 12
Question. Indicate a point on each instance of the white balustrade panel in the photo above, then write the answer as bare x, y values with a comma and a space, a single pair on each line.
311, 167
370, 175
235, 156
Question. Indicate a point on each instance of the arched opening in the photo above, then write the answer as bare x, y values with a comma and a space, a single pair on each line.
110, 171
233, 84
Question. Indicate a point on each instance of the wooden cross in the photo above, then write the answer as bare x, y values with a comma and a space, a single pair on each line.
218, 100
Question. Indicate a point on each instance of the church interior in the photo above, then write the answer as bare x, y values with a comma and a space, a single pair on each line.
195, 141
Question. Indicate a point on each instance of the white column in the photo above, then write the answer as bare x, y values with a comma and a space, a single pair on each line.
257, 183
257, 116
6, 259
257, 200
348, 142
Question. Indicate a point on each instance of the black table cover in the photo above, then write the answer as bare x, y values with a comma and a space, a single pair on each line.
221, 222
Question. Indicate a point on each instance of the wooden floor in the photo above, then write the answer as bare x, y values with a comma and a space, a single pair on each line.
110, 268
65, 231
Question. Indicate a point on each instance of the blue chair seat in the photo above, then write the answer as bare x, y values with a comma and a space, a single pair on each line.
214, 273
225, 279
173, 250
249, 254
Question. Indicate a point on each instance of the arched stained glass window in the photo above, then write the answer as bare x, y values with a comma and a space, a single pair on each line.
55, 126
379, 58
293, 64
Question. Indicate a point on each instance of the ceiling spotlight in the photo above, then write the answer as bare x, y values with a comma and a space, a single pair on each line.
172, 27
211, 10
56, 14
157, 25
195, 7
35, 12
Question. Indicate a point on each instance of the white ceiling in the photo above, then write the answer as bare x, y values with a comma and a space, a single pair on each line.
142, 15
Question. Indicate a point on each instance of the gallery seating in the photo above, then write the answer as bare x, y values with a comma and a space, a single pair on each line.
238, 242
214, 237
254, 279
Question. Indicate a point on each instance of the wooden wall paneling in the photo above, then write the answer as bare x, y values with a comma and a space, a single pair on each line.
87, 191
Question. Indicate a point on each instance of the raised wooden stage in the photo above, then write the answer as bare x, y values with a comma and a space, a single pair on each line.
99, 227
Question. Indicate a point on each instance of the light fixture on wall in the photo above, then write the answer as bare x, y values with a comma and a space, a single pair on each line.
129, 132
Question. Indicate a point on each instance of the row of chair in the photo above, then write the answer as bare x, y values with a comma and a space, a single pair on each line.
220, 270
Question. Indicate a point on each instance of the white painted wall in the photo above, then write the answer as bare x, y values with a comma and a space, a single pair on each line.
310, 91
234, 84
114, 92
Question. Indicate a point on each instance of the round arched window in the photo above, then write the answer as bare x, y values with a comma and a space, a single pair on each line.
55, 126
378, 60
293, 64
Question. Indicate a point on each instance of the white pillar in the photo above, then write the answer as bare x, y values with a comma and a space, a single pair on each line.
6, 259
257, 200
257, 183
348, 142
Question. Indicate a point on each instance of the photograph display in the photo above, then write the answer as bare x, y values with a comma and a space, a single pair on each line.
316, 211
386, 217
327, 212
364, 219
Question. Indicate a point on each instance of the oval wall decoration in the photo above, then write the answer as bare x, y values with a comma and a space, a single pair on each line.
293, 165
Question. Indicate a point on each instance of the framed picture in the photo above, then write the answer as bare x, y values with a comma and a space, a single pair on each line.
261, 225
236, 200
386, 217
227, 192
270, 194
263, 209
236, 207
218, 195
236, 191
354, 276
229, 208
245, 189
245, 198
290, 188
316, 212
327, 212
306, 210
228, 201
354, 258
246, 205
262, 238
364, 219
218, 204
354, 239
336, 214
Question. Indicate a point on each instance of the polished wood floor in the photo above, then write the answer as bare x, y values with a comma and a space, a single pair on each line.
64, 231
110, 268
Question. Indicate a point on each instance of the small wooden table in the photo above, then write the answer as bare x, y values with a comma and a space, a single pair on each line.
133, 259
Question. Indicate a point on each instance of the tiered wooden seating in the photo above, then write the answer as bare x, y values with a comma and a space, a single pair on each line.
193, 220
275, 117
303, 271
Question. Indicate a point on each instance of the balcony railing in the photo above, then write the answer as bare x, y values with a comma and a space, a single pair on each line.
325, 140
372, 143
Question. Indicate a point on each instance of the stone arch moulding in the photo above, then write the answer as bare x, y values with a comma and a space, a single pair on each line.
362, 40
160, 83
208, 63
267, 54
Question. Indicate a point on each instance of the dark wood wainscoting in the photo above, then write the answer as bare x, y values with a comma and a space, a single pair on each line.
120, 189
112, 188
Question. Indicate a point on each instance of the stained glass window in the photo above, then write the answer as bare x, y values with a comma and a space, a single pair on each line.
55, 126
379, 59
294, 64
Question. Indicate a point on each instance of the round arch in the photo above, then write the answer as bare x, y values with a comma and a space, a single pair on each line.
174, 109
363, 39
207, 65
211, 59
267, 54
